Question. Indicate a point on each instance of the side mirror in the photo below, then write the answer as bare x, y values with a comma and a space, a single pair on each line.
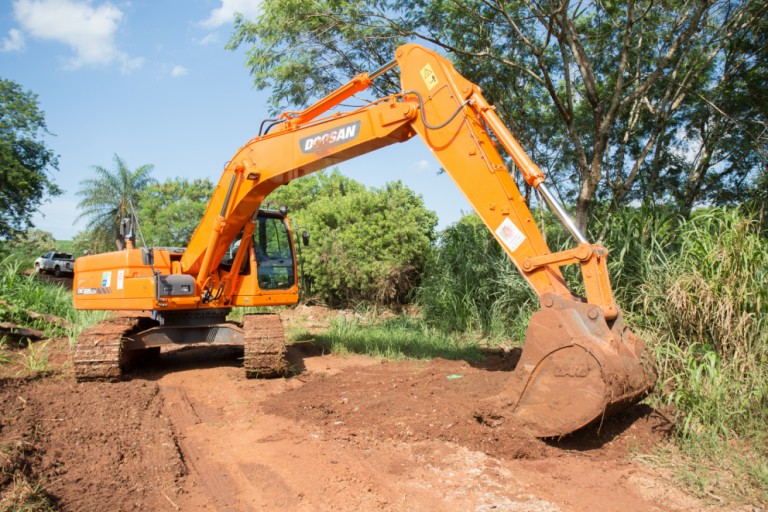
305, 237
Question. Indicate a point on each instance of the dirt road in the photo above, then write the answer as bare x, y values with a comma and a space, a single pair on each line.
346, 434
354, 433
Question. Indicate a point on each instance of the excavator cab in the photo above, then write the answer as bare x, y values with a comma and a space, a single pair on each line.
273, 253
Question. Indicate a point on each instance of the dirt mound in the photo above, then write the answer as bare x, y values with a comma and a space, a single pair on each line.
95, 447
419, 401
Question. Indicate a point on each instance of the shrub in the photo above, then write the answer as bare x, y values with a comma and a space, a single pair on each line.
368, 245
471, 285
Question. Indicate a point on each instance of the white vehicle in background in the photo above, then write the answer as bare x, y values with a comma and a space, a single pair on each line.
57, 262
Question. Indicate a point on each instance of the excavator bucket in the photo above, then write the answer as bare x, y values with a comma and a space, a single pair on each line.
575, 369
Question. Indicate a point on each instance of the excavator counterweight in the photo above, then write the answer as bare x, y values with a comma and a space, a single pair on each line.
579, 361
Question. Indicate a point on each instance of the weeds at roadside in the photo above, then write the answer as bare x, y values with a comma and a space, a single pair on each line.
36, 358
5, 358
26, 292
716, 471
298, 335
703, 307
19, 490
84, 319
396, 338
25, 495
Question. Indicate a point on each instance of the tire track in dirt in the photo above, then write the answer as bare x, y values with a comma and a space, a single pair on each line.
211, 476
184, 417
179, 408
204, 420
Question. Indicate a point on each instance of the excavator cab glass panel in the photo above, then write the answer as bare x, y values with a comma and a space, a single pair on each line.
274, 254
229, 257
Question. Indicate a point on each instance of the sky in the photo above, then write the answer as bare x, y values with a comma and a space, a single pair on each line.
150, 81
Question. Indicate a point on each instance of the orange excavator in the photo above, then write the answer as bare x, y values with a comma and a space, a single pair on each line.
579, 362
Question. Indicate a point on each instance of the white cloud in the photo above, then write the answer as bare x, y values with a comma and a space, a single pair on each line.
89, 30
14, 42
129, 64
226, 13
212, 38
421, 165
179, 71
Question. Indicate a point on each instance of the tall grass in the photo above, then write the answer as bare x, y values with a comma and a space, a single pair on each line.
707, 306
697, 291
27, 292
471, 286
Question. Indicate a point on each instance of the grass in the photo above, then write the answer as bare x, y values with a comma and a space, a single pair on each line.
4, 356
396, 338
472, 287
36, 357
21, 491
22, 293
25, 495
697, 291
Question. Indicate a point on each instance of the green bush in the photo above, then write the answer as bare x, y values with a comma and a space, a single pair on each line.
368, 245
27, 246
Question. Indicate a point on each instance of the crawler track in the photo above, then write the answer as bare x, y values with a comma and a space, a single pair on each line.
264, 342
98, 352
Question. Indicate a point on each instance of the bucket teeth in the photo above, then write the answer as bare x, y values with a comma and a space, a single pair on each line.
575, 369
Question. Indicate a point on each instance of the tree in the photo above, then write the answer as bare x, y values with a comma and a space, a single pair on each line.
84, 243
367, 245
29, 245
727, 125
169, 212
301, 194
596, 89
106, 200
26, 161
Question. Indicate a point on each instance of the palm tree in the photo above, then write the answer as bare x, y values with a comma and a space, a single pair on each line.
106, 200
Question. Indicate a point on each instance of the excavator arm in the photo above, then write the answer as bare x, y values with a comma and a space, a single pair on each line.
579, 361
451, 116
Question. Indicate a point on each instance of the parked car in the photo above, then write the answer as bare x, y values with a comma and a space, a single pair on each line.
57, 262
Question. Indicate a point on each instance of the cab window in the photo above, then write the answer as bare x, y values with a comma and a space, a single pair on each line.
274, 254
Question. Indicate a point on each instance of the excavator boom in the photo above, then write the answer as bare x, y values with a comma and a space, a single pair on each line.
579, 361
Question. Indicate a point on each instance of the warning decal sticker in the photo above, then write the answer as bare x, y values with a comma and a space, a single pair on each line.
429, 77
510, 235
